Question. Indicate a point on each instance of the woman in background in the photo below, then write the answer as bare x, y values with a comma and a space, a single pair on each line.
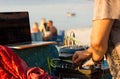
43, 26
35, 28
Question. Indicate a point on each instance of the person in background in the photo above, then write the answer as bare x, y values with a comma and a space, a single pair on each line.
51, 31
35, 28
43, 26
105, 38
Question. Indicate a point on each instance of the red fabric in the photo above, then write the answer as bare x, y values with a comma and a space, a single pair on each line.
13, 67
37, 73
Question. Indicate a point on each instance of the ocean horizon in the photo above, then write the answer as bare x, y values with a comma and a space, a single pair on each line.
55, 10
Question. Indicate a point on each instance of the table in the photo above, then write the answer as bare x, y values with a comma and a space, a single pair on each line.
37, 55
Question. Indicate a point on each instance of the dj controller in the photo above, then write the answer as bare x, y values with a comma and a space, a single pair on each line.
63, 65
66, 67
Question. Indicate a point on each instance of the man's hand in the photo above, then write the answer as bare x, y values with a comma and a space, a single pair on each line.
79, 56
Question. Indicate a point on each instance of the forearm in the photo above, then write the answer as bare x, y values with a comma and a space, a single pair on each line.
99, 39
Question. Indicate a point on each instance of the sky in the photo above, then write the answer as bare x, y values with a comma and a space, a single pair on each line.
53, 9
39, 2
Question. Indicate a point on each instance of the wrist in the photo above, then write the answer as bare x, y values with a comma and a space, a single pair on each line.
98, 62
88, 53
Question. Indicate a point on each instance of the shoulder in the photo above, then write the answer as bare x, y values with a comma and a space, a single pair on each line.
106, 9
53, 27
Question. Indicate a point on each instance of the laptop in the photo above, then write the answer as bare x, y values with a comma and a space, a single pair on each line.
15, 30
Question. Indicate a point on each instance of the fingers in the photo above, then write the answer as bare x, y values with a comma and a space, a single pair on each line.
76, 58
88, 63
79, 56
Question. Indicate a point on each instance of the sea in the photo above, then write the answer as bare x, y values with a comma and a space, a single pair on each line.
55, 10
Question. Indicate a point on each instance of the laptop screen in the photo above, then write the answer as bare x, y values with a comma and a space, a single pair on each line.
14, 28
